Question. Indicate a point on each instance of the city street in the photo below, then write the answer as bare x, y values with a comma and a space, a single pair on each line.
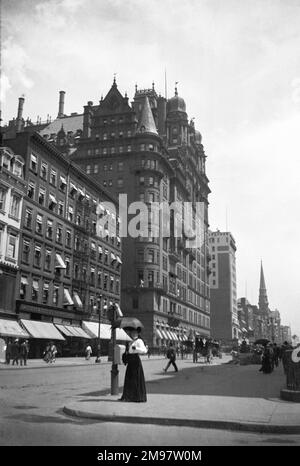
32, 401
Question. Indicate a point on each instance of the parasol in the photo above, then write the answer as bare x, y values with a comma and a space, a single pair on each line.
127, 323
262, 341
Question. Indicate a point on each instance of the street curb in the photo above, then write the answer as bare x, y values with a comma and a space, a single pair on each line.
198, 423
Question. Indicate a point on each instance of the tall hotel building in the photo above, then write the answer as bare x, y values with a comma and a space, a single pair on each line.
223, 293
151, 152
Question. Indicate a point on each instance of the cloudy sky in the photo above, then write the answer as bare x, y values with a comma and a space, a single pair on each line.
238, 68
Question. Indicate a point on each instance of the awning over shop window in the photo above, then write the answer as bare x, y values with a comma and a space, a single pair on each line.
24, 281
43, 330
77, 300
68, 301
59, 263
72, 331
11, 328
119, 260
113, 257
165, 336
121, 335
92, 328
169, 335
158, 333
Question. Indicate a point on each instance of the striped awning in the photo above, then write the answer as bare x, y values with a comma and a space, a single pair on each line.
72, 331
11, 328
42, 330
158, 333
164, 334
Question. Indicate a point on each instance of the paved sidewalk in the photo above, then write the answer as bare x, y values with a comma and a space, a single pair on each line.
219, 397
63, 362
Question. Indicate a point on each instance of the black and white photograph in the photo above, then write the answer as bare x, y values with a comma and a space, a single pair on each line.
149, 226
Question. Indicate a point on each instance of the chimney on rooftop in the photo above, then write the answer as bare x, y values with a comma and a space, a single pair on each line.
20, 113
61, 104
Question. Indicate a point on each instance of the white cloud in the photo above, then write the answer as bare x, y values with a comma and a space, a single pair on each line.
4, 87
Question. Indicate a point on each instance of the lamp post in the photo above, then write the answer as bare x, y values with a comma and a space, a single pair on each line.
114, 312
98, 359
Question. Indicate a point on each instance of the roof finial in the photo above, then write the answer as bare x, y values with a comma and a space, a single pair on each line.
115, 74
135, 87
176, 92
126, 95
152, 85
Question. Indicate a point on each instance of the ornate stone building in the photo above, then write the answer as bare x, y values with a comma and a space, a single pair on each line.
151, 152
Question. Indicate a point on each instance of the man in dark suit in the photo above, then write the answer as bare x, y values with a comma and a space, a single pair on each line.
171, 355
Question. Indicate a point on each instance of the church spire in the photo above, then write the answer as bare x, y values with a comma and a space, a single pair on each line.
263, 302
147, 123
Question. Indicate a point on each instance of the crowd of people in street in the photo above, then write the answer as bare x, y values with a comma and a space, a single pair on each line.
17, 351
272, 354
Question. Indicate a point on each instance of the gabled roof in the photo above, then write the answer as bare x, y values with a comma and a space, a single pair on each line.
146, 123
69, 123
114, 102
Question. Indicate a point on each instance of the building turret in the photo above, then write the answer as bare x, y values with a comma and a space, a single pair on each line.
146, 122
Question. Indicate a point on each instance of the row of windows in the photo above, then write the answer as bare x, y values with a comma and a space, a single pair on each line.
32, 252
148, 181
55, 179
45, 226
119, 183
105, 167
38, 290
186, 314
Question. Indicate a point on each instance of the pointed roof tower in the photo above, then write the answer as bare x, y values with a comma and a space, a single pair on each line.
146, 123
263, 302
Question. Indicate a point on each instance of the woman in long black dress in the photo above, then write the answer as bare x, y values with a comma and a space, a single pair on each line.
134, 383
267, 367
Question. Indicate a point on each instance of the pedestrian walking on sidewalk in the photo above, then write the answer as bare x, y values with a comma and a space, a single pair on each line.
15, 352
8, 351
53, 352
134, 383
267, 360
88, 352
171, 355
24, 350
276, 351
